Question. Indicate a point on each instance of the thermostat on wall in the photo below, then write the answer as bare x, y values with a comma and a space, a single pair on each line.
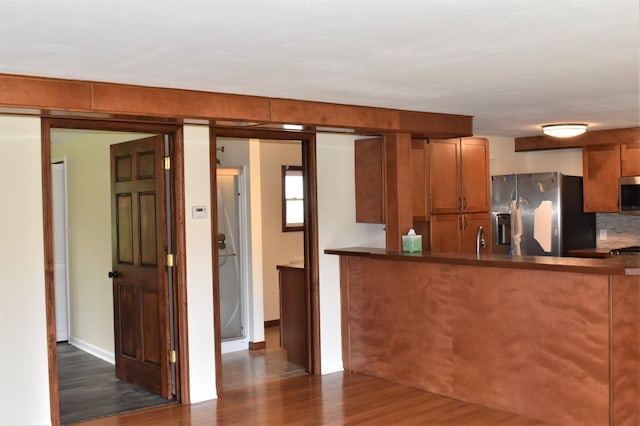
199, 212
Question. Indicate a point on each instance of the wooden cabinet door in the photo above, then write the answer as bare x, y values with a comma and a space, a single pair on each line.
470, 225
443, 171
293, 314
419, 160
601, 173
369, 180
474, 175
445, 233
630, 159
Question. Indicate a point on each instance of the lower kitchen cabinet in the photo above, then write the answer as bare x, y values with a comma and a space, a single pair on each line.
456, 233
293, 313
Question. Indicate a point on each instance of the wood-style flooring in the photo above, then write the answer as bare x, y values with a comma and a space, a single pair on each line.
246, 368
89, 389
333, 399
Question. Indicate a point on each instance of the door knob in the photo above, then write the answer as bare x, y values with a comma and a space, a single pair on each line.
112, 274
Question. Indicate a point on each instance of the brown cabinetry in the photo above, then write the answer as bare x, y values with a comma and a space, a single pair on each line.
293, 314
459, 175
456, 233
630, 159
369, 180
601, 174
419, 160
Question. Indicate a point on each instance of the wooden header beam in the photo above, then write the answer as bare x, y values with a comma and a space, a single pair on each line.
43, 95
597, 137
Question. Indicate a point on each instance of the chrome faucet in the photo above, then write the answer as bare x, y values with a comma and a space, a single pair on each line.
480, 241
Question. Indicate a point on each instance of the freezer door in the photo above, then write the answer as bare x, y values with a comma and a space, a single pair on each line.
539, 200
503, 190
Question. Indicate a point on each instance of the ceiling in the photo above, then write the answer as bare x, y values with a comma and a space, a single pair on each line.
512, 64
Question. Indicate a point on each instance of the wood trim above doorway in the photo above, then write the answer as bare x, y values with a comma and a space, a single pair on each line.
117, 100
178, 207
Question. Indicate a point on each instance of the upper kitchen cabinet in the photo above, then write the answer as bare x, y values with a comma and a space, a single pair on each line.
630, 159
419, 160
601, 172
459, 175
369, 180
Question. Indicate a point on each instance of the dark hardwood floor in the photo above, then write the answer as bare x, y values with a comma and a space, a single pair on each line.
89, 388
333, 399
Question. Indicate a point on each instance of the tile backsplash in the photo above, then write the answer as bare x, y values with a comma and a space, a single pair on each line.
622, 230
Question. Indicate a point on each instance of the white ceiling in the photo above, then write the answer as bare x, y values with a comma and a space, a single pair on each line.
512, 64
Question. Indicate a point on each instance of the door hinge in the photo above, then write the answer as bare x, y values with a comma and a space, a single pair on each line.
170, 260
166, 163
172, 357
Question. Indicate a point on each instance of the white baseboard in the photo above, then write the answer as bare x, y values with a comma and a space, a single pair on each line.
93, 350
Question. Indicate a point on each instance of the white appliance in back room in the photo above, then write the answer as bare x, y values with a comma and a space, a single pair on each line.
539, 214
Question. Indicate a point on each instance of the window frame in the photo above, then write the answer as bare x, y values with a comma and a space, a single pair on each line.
285, 226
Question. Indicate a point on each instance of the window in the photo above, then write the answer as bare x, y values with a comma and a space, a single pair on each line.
292, 199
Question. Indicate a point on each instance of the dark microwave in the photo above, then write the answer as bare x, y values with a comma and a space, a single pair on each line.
630, 195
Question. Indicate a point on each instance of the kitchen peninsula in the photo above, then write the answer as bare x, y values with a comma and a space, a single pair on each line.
555, 339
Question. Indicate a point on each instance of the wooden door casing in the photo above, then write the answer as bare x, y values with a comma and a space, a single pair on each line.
140, 291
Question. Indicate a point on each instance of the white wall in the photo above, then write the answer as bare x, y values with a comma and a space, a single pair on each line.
278, 247
337, 228
199, 265
89, 237
24, 375
504, 160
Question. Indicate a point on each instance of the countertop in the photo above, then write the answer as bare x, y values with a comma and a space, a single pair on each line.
613, 265
295, 265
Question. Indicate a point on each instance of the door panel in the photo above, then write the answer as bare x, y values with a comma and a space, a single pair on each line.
445, 233
474, 175
443, 168
140, 286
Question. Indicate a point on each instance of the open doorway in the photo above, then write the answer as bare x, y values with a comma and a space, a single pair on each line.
259, 354
97, 302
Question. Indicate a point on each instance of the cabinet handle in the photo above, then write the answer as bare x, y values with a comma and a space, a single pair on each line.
464, 203
466, 222
459, 205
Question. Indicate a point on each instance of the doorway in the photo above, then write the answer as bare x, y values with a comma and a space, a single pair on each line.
232, 244
89, 327
265, 343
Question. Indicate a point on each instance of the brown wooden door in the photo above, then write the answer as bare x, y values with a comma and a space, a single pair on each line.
474, 175
140, 294
446, 235
630, 159
470, 225
444, 172
419, 161
369, 180
601, 170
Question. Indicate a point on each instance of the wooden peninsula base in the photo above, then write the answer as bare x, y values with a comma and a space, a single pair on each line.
548, 342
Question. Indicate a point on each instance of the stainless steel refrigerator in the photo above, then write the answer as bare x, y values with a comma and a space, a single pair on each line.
539, 214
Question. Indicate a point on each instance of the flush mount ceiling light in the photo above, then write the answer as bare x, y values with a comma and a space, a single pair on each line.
293, 127
565, 130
